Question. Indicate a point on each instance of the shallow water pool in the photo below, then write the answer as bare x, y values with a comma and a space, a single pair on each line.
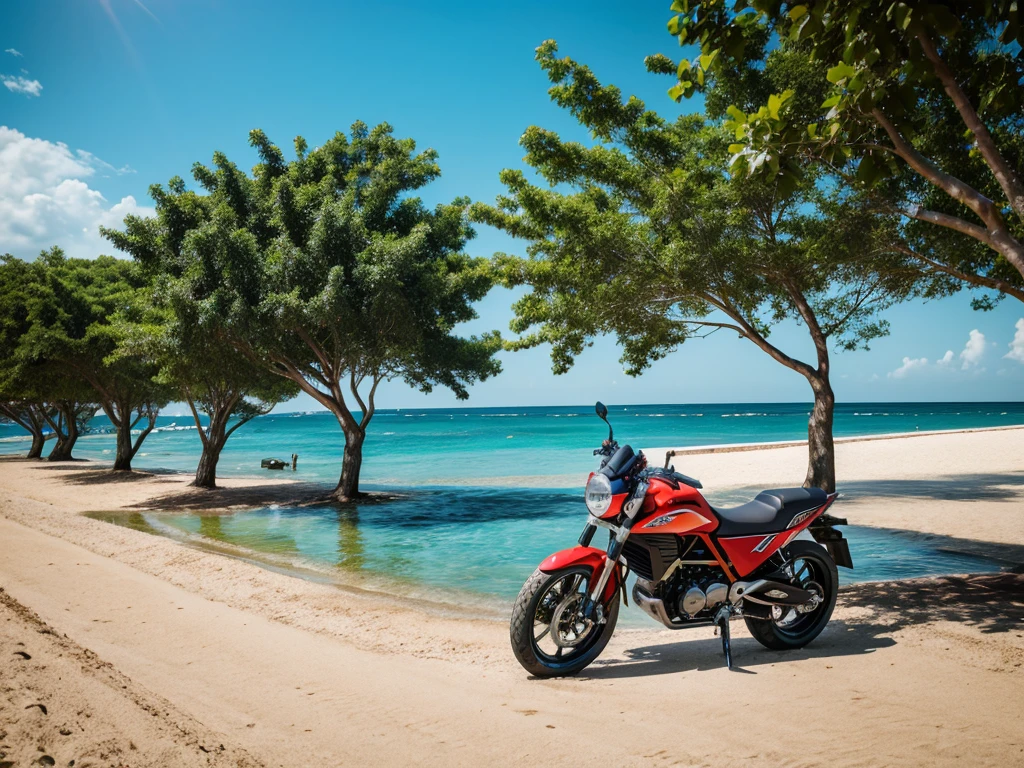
475, 543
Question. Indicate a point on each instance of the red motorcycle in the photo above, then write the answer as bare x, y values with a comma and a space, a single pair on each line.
771, 561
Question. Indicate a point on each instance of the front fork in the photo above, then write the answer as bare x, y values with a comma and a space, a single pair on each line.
593, 609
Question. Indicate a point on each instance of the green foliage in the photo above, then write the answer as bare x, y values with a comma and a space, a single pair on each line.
77, 325
325, 269
922, 105
644, 235
61, 322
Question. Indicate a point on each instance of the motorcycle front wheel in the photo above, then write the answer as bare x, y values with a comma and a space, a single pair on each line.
550, 637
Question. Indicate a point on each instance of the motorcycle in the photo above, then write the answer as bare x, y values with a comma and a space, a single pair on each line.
771, 562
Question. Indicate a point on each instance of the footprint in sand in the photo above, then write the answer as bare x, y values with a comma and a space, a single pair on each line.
23, 655
42, 708
46, 760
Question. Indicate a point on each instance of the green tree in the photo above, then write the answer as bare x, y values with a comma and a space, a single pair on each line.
644, 236
17, 403
327, 271
76, 328
31, 417
924, 107
197, 363
36, 393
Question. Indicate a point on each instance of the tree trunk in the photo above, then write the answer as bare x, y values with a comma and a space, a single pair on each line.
821, 459
32, 418
206, 472
38, 442
351, 462
66, 440
214, 438
121, 417
123, 458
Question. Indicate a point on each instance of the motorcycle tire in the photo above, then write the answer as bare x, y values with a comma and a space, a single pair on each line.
775, 633
521, 628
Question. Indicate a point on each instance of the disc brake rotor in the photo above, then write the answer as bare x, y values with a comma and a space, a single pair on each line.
568, 628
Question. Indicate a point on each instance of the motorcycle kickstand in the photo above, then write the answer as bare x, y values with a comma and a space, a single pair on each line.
722, 623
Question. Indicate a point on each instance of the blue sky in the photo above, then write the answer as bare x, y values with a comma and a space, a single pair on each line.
104, 97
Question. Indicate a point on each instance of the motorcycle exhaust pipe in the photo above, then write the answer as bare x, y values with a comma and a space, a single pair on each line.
768, 593
651, 605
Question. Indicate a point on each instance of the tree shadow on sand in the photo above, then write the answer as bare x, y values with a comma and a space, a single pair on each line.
198, 499
991, 602
981, 486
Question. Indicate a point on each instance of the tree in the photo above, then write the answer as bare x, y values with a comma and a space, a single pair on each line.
76, 327
16, 403
208, 373
326, 271
68, 418
654, 243
925, 102
36, 394
30, 417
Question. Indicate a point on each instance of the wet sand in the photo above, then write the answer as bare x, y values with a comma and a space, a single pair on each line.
282, 671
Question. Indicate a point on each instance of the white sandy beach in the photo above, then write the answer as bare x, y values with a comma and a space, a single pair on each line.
162, 654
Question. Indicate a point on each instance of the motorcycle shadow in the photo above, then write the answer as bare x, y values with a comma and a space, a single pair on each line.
991, 603
840, 638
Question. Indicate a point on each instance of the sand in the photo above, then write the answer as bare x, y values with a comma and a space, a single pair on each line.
283, 671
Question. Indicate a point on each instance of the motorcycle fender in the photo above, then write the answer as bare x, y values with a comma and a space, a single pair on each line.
590, 557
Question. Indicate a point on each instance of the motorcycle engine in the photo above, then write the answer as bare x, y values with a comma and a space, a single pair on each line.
694, 592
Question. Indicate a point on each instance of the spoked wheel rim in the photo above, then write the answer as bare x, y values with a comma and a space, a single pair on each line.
559, 633
809, 574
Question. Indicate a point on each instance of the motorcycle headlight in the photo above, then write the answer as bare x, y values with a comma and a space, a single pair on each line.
598, 495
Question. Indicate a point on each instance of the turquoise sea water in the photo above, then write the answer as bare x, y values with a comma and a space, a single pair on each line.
454, 535
487, 446
478, 540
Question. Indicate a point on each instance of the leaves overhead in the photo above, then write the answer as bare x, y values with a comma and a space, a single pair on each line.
644, 235
922, 104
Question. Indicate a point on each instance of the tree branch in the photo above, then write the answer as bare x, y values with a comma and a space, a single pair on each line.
195, 415
368, 414
1004, 174
952, 186
981, 281
751, 333
950, 222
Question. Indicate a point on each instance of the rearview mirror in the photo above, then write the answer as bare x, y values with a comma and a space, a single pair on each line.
601, 410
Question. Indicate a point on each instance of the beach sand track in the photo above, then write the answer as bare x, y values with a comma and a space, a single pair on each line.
60, 704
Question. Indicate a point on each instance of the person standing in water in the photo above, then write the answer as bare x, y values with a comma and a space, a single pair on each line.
295, 461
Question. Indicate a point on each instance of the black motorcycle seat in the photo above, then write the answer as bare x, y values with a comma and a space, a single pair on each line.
771, 511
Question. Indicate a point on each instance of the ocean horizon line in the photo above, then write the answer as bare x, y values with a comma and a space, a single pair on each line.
809, 403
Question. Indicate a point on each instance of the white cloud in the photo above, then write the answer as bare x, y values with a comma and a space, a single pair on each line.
19, 84
44, 200
909, 364
973, 350
1017, 345
946, 359
13, 52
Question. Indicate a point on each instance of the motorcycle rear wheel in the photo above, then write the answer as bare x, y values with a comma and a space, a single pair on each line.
814, 569
547, 648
